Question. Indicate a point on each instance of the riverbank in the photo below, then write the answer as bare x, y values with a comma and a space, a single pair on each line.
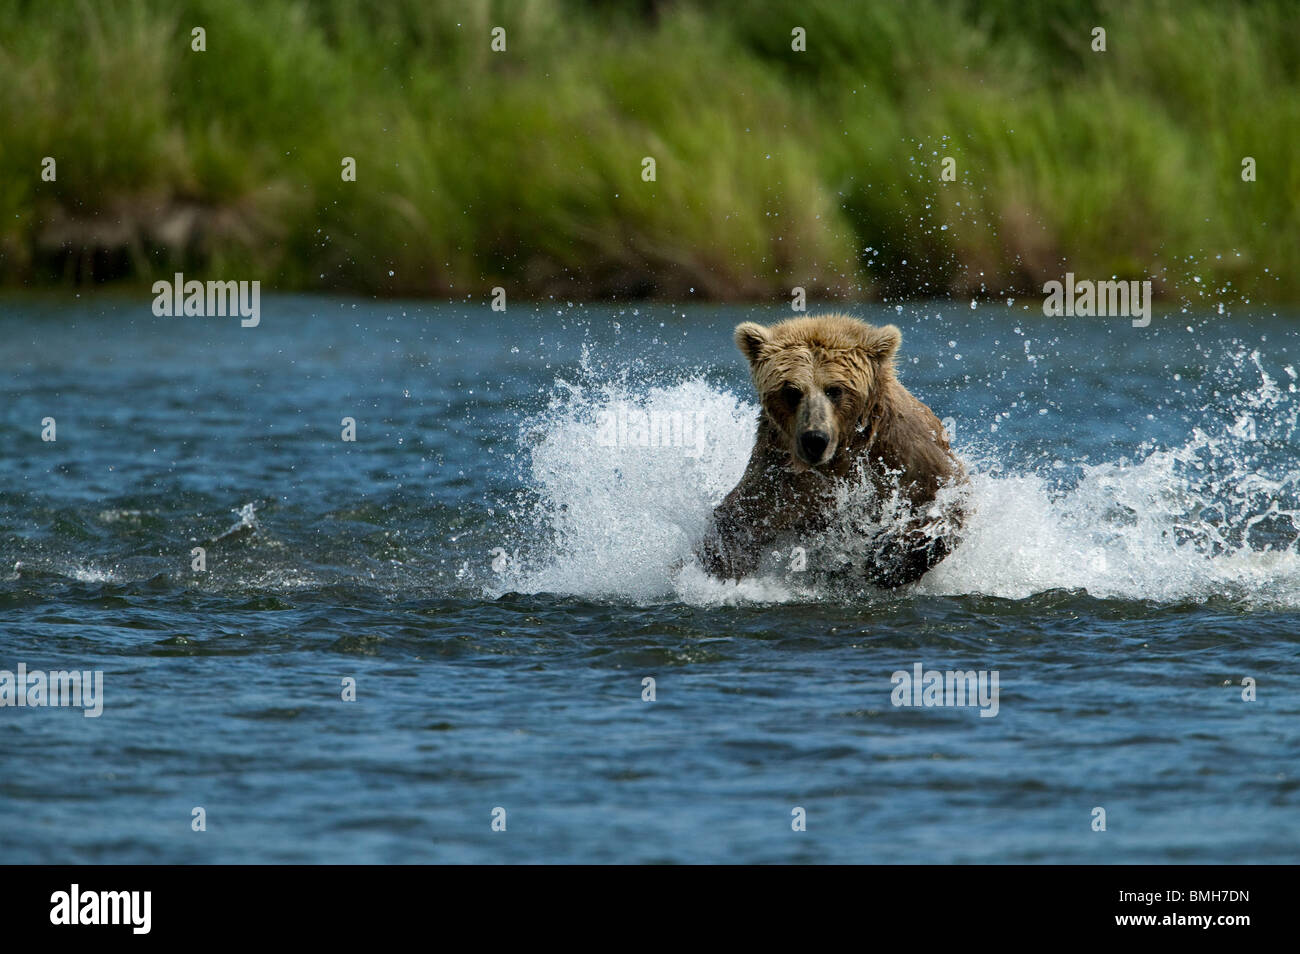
774, 168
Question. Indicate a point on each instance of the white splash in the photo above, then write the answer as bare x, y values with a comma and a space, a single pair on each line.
1215, 517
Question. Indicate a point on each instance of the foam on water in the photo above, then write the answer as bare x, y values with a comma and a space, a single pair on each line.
616, 517
1215, 517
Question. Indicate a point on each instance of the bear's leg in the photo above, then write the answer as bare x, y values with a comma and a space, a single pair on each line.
732, 547
904, 557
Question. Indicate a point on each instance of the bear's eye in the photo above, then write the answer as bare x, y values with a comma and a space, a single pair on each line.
791, 396
835, 392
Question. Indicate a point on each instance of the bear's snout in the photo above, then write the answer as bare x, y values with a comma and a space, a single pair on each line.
812, 446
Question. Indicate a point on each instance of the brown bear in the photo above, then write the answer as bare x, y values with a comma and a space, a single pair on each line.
833, 413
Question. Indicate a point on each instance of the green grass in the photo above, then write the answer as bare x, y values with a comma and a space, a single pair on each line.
775, 168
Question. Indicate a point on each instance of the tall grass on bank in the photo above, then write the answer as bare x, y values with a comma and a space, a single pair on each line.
775, 168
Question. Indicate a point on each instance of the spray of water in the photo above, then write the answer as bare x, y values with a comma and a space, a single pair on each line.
615, 512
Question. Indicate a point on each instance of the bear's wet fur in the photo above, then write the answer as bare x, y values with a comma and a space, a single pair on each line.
833, 411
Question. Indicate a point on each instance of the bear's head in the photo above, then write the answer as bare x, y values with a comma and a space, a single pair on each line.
819, 379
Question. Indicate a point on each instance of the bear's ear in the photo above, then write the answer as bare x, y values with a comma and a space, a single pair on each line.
882, 343
750, 338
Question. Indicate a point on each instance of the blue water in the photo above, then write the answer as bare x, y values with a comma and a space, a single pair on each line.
499, 582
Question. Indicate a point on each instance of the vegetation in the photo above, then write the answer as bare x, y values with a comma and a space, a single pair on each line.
774, 168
